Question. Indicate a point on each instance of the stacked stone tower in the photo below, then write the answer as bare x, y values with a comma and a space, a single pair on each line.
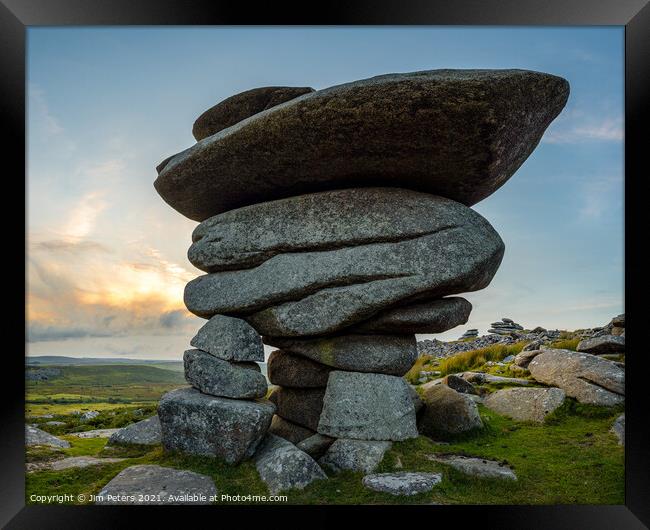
336, 224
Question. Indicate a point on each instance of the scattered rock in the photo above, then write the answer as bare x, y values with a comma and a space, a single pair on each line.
217, 377
54, 423
525, 404
71, 462
389, 354
236, 108
198, 424
476, 467
35, 436
150, 484
447, 413
290, 431
355, 455
351, 408
469, 334
458, 384
95, 433
480, 378
283, 466
602, 344
230, 339
585, 377
402, 483
463, 151
618, 428
89, 415
299, 405
34, 373
145, 432
316, 445
288, 370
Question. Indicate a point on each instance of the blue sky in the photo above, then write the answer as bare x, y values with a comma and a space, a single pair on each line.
107, 257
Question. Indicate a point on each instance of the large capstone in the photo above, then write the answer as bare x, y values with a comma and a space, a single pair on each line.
367, 407
203, 425
387, 354
456, 133
298, 288
230, 339
217, 377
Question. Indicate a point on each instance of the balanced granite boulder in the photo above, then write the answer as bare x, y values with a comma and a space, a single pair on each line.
447, 413
299, 405
365, 406
288, 430
588, 378
230, 339
217, 377
386, 354
525, 404
240, 106
199, 424
286, 369
456, 133
316, 292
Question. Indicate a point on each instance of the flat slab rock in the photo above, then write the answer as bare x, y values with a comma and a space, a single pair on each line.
334, 278
355, 455
585, 377
525, 404
368, 407
150, 484
476, 467
283, 466
464, 151
603, 344
385, 354
199, 424
95, 433
36, 436
71, 462
402, 483
145, 432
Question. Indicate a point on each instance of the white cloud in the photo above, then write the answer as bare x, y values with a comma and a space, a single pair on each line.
599, 195
565, 132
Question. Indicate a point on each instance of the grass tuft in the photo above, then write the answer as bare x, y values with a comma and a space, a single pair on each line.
469, 360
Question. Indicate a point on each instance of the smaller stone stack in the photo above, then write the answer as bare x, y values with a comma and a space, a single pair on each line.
469, 334
222, 415
506, 326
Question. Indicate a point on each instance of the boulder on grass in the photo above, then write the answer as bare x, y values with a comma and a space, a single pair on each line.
355, 455
402, 483
145, 432
525, 404
447, 413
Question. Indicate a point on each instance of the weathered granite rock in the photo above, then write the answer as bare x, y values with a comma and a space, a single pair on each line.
387, 354
524, 357
476, 467
288, 370
288, 430
198, 424
95, 433
402, 483
283, 466
76, 462
145, 432
236, 108
416, 399
447, 413
602, 345
230, 339
299, 405
316, 445
355, 455
36, 436
434, 316
479, 378
412, 136
157, 485
217, 377
525, 404
588, 378
618, 428
367, 407
313, 292
458, 384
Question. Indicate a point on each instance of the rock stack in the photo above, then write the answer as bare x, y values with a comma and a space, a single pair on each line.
506, 326
337, 224
469, 334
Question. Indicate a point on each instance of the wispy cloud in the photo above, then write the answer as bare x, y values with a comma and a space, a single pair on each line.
599, 195
568, 132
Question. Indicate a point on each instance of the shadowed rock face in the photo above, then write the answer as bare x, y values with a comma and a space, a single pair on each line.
456, 133
286, 369
306, 287
240, 106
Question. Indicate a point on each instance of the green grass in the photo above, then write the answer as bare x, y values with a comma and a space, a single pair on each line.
571, 459
113, 418
413, 375
566, 344
472, 359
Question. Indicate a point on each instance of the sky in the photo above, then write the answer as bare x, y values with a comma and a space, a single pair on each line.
106, 263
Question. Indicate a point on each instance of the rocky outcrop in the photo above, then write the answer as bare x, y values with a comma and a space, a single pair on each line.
150, 484
506, 326
145, 432
587, 378
525, 404
604, 344
412, 136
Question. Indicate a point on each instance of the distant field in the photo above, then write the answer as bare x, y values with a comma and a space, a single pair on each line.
100, 387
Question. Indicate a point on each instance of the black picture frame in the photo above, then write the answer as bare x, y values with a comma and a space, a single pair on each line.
17, 15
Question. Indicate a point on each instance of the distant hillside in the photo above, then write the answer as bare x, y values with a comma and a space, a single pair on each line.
78, 361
